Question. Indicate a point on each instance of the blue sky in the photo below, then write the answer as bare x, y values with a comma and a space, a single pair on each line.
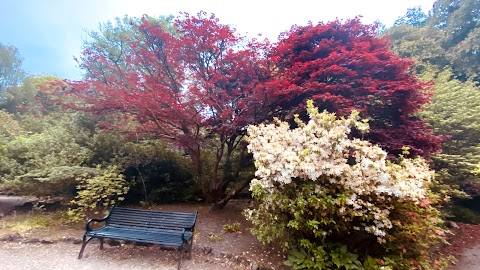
49, 33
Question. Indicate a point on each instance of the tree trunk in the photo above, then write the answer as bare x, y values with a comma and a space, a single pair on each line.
220, 204
213, 188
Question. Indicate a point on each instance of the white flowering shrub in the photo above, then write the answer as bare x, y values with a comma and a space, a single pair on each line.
322, 193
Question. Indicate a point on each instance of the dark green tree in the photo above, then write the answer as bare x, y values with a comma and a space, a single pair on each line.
113, 42
11, 72
454, 111
465, 57
456, 17
21, 98
421, 44
414, 17
449, 38
459, 20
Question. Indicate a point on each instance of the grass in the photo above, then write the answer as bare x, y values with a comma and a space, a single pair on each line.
33, 220
232, 228
214, 238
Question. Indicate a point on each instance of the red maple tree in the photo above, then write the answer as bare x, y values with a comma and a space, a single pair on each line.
198, 88
345, 66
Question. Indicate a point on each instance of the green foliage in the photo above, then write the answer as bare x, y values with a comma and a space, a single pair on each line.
50, 181
98, 193
43, 155
8, 125
11, 72
446, 53
465, 56
107, 148
113, 40
463, 214
57, 146
48, 147
466, 210
328, 256
160, 174
456, 17
449, 38
9, 128
423, 45
454, 111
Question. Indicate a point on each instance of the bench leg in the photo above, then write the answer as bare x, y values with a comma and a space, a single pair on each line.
190, 246
84, 244
180, 253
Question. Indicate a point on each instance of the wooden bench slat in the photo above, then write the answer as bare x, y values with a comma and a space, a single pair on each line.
153, 214
149, 223
160, 217
114, 219
129, 215
152, 221
150, 212
155, 230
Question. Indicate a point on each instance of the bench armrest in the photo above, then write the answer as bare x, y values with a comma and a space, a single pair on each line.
87, 226
183, 236
192, 227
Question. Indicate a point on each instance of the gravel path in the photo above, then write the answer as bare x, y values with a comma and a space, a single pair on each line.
63, 256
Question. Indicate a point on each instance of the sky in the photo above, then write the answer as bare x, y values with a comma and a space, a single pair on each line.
50, 33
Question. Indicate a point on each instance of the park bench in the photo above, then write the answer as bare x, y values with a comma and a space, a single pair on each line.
168, 229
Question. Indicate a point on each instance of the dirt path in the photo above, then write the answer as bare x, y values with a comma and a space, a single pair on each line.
470, 259
465, 246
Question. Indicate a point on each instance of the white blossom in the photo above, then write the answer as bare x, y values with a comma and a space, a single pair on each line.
320, 149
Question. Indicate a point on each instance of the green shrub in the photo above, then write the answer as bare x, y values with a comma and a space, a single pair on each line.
464, 210
159, 173
42, 159
329, 256
163, 181
51, 181
97, 194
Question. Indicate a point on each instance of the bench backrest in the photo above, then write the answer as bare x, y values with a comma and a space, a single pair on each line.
150, 219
